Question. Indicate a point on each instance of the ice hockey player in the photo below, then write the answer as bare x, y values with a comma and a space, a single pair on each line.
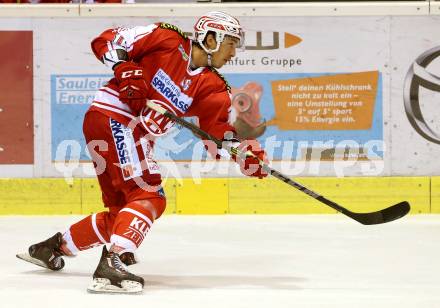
156, 62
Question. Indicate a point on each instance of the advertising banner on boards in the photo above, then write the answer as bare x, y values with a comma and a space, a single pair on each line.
312, 89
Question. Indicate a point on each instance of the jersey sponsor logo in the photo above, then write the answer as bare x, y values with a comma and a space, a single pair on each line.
126, 150
137, 230
140, 226
152, 165
170, 91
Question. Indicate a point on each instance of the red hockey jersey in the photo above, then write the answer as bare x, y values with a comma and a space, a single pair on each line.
164, 52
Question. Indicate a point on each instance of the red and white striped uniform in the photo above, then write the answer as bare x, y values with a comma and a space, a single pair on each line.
164, 53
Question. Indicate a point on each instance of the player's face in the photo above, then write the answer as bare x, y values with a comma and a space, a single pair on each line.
226, 52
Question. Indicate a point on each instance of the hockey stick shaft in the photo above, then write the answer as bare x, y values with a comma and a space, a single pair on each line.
391, 213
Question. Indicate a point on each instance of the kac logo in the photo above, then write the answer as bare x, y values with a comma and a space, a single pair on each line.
417, 77
154, 122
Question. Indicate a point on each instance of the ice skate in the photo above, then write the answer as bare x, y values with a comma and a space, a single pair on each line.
111, 276
46, 254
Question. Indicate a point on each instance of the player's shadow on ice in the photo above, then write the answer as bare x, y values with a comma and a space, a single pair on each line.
222, 281
197, 282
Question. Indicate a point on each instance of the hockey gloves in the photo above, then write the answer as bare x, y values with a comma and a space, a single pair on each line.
132, 85
250, 166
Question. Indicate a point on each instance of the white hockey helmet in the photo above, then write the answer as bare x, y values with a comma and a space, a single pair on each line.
222, 24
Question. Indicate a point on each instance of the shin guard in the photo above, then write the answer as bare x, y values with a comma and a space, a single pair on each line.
133, 223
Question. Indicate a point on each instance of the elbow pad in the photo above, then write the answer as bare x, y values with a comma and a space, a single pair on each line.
114, 56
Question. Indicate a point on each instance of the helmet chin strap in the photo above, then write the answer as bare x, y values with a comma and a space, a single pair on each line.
210, 51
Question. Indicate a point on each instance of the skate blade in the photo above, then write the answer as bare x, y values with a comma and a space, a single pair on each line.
103, 285
26, 257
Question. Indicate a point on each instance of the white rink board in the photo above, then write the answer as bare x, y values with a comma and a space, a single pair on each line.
242, 261
331, 44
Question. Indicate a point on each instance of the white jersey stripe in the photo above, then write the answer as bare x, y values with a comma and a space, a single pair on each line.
145, 218
107, 96
116, 110
95, 228
110, 90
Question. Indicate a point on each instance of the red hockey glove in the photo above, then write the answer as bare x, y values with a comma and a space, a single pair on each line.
250, 166
132, 85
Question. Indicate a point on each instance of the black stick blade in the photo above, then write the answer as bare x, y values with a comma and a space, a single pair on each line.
391, 213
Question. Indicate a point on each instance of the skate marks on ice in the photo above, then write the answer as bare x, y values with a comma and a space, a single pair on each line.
64, 273
181, 282
162, 282
159, 281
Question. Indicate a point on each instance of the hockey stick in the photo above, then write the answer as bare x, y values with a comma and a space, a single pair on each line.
391, 213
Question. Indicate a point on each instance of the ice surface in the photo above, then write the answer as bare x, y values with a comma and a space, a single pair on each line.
241, 261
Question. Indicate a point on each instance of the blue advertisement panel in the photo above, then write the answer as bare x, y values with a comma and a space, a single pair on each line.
293, 115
